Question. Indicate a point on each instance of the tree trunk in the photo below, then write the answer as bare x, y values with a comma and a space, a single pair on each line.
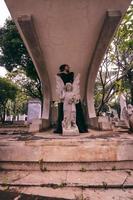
3, 116
131, 91
130, 79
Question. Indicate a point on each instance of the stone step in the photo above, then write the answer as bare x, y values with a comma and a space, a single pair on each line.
66, 193
68, 167
59, 179
70, 185
66, 150
15, 130
13, 125
14, 195
121, 124
65, 166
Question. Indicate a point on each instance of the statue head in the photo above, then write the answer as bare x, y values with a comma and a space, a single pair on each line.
68, 87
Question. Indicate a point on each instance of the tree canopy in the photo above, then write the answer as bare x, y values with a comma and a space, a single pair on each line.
8, 91
116, 71
14, 57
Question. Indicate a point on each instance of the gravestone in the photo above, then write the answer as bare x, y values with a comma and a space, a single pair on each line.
34, 110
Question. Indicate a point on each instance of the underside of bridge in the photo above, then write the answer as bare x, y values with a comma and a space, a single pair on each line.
75, 32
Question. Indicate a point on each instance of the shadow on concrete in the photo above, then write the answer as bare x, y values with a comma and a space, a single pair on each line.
12, 195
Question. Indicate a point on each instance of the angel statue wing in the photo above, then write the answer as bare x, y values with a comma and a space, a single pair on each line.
59, 86
76, 86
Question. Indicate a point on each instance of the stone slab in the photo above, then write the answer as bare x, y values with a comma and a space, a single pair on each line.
67, 193
84, 153
111, 194
77, 193
104, 126
71, 166
94, 179
129, 180
13, 195
35, 178
87, 148
73, 132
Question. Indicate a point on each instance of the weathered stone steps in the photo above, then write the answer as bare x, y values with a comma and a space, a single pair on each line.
72, 168
93, 179
76, 193
65, 166
118, 187
63, 150
103, 185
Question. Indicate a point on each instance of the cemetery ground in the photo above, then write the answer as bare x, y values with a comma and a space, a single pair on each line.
96, 165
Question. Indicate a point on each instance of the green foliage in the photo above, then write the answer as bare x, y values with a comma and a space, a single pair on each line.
14, 57
123, 42
20, 103
8, 92
13, 51
116, 71
30, 87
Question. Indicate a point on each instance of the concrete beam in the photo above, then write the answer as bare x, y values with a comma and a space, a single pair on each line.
28, 33
112, 19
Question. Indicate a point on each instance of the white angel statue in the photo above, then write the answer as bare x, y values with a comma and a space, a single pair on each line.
70, 95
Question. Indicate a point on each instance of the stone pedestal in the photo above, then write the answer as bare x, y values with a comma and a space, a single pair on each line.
101, 123
105, 126
104, 123
39, 125
70, 132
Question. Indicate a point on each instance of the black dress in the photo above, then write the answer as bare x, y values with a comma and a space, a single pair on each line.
67, 78
80, 120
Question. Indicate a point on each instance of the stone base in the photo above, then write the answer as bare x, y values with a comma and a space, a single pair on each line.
38, 125
70, 132
101, 123
105, 126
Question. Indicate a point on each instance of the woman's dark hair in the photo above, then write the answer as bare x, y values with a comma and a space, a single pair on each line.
62, 67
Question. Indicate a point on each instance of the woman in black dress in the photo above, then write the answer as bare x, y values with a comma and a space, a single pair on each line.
68, 77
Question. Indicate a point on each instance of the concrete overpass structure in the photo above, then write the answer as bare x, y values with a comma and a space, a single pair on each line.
75, 32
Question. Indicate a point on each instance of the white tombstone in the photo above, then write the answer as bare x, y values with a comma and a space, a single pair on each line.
34, 110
